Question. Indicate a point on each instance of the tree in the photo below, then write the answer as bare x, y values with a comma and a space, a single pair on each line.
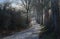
39, 9
47, 19
5, 17
55, 15
27, 4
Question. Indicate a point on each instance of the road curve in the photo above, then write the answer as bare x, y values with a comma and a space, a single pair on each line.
31, 33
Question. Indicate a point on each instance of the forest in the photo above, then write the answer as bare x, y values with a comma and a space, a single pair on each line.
20, 15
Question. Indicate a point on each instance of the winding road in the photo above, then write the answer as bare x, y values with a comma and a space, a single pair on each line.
31, 33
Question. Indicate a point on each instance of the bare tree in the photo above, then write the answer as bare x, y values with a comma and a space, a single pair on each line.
27, 4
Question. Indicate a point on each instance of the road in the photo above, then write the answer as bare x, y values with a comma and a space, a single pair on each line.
31, 33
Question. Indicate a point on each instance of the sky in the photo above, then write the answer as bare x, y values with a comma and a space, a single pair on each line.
2, 1
14, 3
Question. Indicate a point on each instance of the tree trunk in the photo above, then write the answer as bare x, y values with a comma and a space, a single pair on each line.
27, 16
46, 20
55, 15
